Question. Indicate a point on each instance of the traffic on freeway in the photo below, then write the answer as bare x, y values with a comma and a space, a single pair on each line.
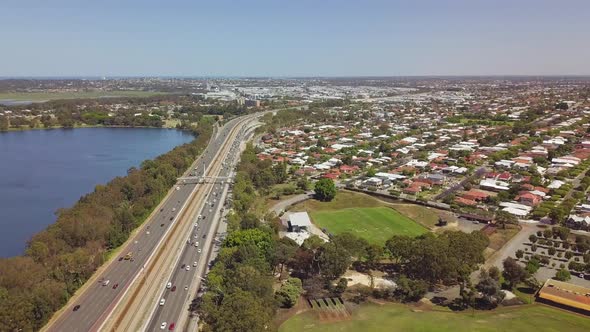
176, 293
92, 307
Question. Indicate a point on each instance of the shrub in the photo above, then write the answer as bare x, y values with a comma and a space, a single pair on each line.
563, 275
568, 254
552, 251
534, 247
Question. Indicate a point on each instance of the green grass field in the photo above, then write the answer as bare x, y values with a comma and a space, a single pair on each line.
375, 224
44, 96
398, 317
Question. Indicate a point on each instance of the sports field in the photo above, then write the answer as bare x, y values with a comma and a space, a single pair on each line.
398, 317
375, 224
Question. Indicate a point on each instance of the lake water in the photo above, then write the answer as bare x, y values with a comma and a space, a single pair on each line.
44, 170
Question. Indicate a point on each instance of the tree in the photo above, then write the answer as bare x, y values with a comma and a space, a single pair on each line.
513, 273
551, 251
333, 260
325, 190
289, 292
563, 275
341, 286
374, 253
410, 289
4, 123
241, 311
371, 172
533, 265
503, 218
490, 288
548, 233
400, 247
519, 254
356, 246
285, 251
533, 238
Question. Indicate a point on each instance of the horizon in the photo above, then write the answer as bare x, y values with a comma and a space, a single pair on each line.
264, 38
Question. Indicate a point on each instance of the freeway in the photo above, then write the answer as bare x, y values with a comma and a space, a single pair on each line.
96, 300
189, 267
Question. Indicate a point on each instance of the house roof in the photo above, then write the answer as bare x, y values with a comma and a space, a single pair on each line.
567, 294
300, 219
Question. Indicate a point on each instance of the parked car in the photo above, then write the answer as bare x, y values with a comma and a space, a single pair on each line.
115, 286
76, 307
162, 301
163, 325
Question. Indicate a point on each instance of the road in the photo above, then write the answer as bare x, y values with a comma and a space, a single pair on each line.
186, 281
96, 300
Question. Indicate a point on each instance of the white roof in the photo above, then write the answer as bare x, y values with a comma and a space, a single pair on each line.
516, 212
300, 219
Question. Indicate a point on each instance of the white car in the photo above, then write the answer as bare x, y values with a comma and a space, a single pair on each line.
177, 187
199, 250
196, 225
195, 264
168, 285
188, 268
163, 326
162, 301
195, 236
197, 244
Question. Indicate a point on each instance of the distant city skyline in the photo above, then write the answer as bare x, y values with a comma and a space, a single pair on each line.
305, 38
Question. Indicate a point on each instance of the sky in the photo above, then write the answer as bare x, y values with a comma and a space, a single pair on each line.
294, 37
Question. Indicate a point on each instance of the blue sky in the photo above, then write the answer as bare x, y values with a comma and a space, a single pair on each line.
294, 37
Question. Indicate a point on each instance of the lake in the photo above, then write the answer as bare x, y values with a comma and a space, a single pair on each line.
44, 170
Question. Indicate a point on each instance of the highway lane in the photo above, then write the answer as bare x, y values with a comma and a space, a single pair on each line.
97, 300
176, 302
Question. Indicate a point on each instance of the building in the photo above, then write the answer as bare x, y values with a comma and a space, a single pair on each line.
252, 103
566, 294
299, 221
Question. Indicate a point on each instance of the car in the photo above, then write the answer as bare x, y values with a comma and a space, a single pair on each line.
76, 307
148, 232
173, 209
173, 288
188, 268
196, 225
115, 286
177, 187
195, 264
162, 301
162, 225
195, 236
163, 325
120, 259
186, 287
106, 282
172, 326
162, 209
199, 250
197, 244
171, 218
168, 285
182, 266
